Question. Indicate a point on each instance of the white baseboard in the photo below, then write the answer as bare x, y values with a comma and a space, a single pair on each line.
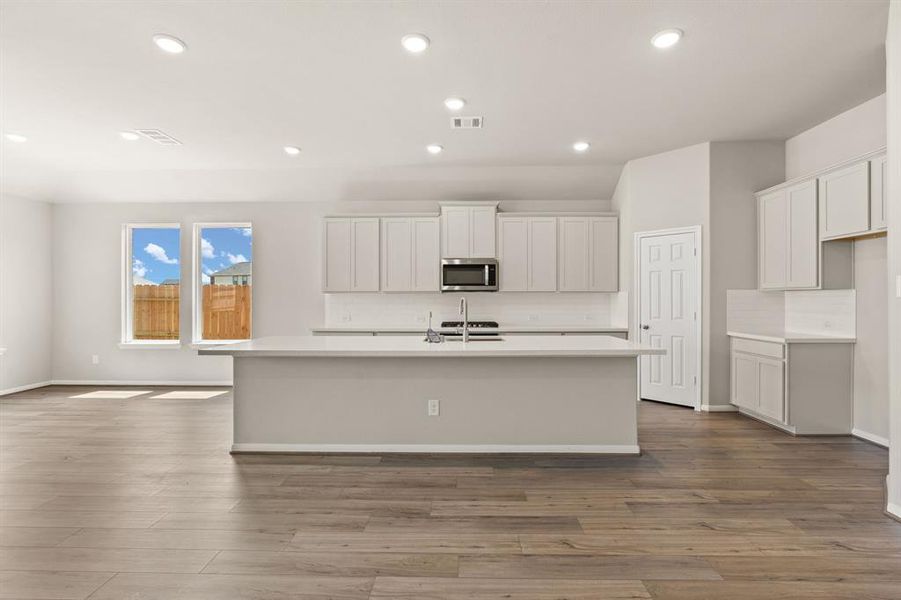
439, 448
894, 510
718, 408
25, 388
129, 382
870, 437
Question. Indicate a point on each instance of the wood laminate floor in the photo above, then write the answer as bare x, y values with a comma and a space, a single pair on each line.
138, 498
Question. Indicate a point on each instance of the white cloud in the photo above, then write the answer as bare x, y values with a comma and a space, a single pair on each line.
159, 253
246, 231
207, 270
205, 279
233, 259
206, 249
138, 268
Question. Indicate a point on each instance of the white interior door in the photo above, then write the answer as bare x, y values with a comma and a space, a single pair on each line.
668, 309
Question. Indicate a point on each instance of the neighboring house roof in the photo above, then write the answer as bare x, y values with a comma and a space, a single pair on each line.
138, 280
169, 282
241, 268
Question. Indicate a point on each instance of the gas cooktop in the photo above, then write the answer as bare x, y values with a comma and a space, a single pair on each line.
472, 324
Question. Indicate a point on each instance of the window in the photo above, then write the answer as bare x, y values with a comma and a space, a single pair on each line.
222, 281
150, 298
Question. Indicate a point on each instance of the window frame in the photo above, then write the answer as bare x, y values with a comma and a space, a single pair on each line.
126, 336
197, 284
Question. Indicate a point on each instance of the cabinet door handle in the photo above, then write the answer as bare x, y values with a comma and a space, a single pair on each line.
645, 326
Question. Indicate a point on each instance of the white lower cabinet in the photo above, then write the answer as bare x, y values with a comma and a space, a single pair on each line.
809, 391
744, 381
770, 388
527, 253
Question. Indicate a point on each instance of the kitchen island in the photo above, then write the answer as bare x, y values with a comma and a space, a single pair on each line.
566, 394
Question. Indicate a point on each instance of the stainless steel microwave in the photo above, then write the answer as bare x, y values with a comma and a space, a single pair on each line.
468, 275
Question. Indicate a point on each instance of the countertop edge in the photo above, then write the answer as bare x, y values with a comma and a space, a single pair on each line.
793, 338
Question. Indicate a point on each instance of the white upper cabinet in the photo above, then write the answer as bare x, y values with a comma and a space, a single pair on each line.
575, 250
878, 193
802, 264
604, 268
410, 261
772, 242
336, 255
468, 231
483, 232
397, 254
350, 255
426, 254
527, 253
513, 253
542, 254
364, 243
788, 249
589, 254
845, 201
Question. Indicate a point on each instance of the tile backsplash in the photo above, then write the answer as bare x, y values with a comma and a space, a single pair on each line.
412, 310
823, 312
831, 312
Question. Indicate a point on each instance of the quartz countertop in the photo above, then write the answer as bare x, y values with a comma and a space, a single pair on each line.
790, 337
415, 346
501, 330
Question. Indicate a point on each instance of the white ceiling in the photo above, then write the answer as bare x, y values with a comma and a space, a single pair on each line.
332, 78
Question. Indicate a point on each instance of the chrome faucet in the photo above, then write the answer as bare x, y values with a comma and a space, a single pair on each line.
464, 311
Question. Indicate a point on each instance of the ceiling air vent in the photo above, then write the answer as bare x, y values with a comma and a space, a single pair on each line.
466, 122
160, 137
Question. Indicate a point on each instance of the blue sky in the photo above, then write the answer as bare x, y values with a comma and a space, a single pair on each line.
224, 246
155, 252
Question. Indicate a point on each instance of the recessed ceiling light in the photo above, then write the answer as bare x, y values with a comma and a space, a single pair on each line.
581, 146
415, 42
131, 136
434, 148
666, 38
169, 43
292, 150
455, 103
15, 137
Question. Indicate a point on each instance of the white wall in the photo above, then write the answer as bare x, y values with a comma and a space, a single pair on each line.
893, 95
737, 170
857, 131
710, 185
871, 350
287, 298
25, 293
849, 134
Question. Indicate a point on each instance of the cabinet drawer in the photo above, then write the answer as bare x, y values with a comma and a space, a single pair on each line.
771, 349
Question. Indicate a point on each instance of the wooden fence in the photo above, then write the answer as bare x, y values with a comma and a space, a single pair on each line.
226, 312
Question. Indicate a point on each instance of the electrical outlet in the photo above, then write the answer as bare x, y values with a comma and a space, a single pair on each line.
95, 359
346, 318
434, 408
533, 317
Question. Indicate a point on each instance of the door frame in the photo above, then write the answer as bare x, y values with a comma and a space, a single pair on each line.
638, 236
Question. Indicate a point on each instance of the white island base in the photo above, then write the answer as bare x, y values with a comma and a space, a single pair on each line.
370, 394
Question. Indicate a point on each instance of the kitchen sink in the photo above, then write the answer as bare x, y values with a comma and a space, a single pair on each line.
473, 338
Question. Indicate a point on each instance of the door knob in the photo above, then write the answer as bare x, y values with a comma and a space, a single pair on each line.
645, 326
